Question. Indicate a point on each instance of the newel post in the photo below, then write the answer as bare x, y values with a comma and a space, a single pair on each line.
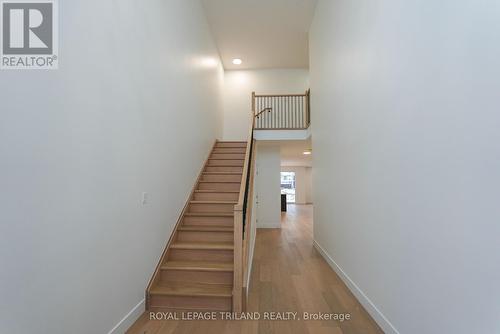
253, 103
308, 107
252, 118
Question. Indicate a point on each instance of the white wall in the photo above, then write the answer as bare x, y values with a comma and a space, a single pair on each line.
238, 88
303, 186
406, 157
133, 108
308, 181
268, 187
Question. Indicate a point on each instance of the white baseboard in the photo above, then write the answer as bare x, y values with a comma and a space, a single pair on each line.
376, 314
128, 320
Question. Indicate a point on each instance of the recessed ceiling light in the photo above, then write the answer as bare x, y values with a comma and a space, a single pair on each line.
237, 61
308, 152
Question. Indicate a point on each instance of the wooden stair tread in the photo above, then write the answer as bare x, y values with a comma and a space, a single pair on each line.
231, 142
230, 150
214, 202
219, 181
216, 191
233, 145
193, 289
205, 228
196, 270
225, 149
203, 245
242, 146
223, 173
198, 266
209, 214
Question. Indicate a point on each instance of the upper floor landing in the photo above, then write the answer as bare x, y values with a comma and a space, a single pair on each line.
281, 117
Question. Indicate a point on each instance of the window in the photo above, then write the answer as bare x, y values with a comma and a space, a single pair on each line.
288, 186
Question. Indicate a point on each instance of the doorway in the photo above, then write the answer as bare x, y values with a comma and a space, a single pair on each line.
288, 186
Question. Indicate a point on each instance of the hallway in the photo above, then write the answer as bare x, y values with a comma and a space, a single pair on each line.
288, 275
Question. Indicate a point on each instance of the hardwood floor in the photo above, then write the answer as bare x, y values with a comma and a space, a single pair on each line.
288, 275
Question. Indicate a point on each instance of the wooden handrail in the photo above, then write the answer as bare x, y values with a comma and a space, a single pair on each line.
247, 233
280, 95
263, 110
242, 220
241, 196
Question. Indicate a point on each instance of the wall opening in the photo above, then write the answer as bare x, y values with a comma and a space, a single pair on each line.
288, 186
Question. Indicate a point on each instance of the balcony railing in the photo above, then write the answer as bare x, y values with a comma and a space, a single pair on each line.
281, 112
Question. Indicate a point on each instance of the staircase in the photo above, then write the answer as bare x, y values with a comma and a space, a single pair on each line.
196, 269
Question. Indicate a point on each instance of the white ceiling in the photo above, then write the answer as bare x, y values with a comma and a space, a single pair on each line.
292, 151
263, 33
